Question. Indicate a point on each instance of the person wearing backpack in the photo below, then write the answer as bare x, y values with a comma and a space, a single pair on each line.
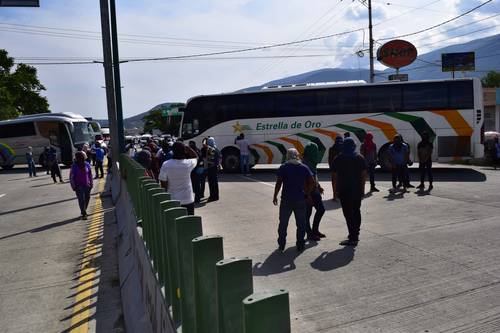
80, 178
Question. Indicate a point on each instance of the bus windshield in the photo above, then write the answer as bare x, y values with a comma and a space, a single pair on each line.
81, 132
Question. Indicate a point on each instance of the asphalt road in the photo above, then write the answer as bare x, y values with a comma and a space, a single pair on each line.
425, 262
42, 242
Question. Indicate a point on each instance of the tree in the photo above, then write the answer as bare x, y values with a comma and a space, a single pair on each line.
491, 80
166, 124
19, 89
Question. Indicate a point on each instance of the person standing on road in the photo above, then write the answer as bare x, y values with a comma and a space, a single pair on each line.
424, 150
211, 164
196, 173
311, 159
399, 156
244, 146
31, 162
46, 163
333, 152
55, 170
99, 160
408, 163
297, 182
496, 160
369, 151
80, 178
175, 175
350, 169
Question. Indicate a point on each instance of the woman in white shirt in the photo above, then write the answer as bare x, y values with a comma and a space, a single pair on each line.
175, 175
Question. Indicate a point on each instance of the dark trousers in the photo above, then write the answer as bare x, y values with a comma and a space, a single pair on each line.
398, 174
99, 167
202, 178
110, 164
371, 173
213, 183
190, 208
424, 168
317, 203
196, 185
352, 213
299, 210
32, 168
55, 171
83, 195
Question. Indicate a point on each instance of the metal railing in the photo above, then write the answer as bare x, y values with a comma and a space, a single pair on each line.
203, 291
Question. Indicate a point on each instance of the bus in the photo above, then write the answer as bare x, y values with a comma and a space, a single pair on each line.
276, 118
66, 132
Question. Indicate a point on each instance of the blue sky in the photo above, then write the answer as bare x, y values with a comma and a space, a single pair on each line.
226, 24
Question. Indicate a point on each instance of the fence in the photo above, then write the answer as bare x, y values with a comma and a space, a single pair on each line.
203, 291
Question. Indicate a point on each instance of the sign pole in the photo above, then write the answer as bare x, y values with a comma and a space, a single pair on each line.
370, 28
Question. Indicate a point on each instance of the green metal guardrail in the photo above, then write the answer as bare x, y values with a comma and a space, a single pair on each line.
204, 292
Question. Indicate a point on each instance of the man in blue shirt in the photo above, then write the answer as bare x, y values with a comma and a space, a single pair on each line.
99, 160
297, 182
399, 156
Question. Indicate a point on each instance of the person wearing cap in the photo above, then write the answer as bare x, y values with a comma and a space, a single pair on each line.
297, 182
350, 170
80, 178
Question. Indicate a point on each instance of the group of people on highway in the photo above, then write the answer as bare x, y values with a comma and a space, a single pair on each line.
301, 191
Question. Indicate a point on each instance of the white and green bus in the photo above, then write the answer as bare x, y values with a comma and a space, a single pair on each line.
277, 118
64, 131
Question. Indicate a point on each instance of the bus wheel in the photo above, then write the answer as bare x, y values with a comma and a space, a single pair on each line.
7, 167
231, 160
383, 157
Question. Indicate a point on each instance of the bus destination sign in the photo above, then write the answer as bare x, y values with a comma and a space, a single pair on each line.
397, 53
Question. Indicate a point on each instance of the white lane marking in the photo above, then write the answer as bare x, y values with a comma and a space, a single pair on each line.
3, 195
255, 180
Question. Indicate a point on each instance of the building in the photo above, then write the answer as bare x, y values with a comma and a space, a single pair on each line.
491, 98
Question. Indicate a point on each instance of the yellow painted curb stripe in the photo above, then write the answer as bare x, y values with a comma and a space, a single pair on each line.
86, 279
455, 119
296, 144
267, 151
387, 128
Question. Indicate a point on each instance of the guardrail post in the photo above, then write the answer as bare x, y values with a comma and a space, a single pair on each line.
150, 213
234, 283
158, 198
163, 241
207, 251
136, 193
267, 312
146, 184
187, 227
173, 262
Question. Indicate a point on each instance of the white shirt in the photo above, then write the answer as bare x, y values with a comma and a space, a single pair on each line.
243, 145
178, 175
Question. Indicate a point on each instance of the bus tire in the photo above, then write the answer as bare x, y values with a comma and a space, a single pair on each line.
230, 160
7, 167
383, 157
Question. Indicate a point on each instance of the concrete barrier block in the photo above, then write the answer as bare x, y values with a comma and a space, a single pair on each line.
267, 312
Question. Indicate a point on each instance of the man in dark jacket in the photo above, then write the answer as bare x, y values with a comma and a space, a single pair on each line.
350, 170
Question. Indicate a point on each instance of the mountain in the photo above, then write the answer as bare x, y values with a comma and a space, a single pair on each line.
428, 67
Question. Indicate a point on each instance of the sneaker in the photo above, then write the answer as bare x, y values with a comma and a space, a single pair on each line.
421, 186
430, 188
348, 242
374, 189
393, 190
319, 234
281, 248
84, 216
313, 237
301, 248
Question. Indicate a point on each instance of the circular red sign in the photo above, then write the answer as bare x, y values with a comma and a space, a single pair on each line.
397, 53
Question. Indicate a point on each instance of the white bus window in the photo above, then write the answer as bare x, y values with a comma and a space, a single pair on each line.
81, 132
380, 99
425, 96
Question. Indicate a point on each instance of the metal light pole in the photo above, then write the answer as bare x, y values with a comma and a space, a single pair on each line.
108, 76
370, 28
116, 72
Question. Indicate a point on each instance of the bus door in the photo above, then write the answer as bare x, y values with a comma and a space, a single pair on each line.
64, 142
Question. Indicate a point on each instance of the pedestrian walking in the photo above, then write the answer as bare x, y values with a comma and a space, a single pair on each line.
424, 150
350, 169
143, 157
55, 170
212, 164
196, 173
175, 175
333, 152
368, 150
408, 163
80, 178
244, 146
99, 160
31, 162
44, 160
297, 182
399, 156
311, 159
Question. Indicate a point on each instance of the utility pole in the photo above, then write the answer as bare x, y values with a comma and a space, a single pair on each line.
116, 72
370, 28
108, 76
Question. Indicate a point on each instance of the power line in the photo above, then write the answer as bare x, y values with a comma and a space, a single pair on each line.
465, 34
440, 24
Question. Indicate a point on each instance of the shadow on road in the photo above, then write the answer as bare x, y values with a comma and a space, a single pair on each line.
42, 228
279, 262
328, 261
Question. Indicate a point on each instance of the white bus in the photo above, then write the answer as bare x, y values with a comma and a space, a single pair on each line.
274, 119
65, 131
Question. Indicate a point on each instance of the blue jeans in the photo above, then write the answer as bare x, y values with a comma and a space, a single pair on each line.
245, 164
83, 195
299, 210
32, 168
